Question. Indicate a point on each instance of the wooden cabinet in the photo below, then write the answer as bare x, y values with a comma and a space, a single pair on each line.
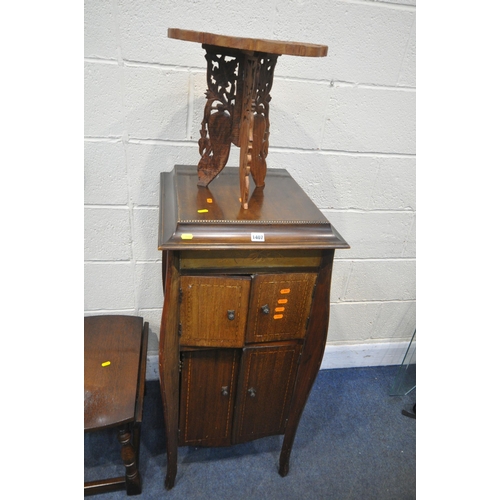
246, 309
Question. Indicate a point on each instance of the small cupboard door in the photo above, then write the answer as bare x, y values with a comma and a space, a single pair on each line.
265, 387
213, 311
279, 306
208, 387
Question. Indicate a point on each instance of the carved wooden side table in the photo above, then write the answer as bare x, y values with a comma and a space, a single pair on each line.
246, 309
239, 79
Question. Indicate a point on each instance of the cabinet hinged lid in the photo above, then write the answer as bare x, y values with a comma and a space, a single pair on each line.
279, 215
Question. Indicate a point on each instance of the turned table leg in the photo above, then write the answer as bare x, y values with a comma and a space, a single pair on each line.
133, 481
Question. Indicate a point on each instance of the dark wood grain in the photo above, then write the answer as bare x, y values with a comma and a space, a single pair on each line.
110, 390
266, 383
208, 389
282, 212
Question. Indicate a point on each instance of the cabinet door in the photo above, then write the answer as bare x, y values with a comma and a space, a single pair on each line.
208, 385
213, 311
265, 387
279, 306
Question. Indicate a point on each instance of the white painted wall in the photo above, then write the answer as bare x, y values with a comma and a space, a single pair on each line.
343, 126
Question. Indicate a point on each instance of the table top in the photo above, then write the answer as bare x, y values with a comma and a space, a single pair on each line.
279, 216
250, 44
112, 360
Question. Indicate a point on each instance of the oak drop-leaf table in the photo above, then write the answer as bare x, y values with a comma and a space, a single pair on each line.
114, 378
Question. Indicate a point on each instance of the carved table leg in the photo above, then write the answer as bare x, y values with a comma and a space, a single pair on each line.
129, 456
258, 71
217, 125
246, 127
263, 85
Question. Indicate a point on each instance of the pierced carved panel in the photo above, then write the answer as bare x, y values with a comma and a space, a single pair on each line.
216, 127
236, 111
263, 85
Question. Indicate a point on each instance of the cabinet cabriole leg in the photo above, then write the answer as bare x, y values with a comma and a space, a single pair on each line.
169, 364
312, 355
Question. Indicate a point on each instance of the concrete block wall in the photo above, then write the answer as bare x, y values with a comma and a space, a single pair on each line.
343, 126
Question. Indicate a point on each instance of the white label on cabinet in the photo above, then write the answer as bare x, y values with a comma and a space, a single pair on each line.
257, 236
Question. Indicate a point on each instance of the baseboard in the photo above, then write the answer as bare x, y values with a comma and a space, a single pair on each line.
344, 356
360, 355
152, 367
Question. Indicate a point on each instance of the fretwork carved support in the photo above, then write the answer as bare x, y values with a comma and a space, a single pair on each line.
236, 111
